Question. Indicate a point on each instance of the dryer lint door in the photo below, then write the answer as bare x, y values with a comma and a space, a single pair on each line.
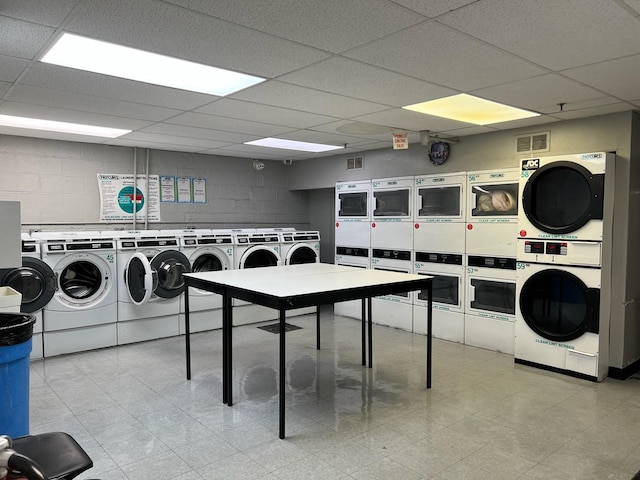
141, 280
36, 282
170, 266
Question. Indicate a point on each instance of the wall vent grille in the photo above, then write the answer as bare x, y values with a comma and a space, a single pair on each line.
533, 142
355, 163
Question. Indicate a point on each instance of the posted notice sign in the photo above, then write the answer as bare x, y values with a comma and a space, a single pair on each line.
121, 197
400, 140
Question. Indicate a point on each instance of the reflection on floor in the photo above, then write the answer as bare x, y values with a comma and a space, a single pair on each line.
131, 408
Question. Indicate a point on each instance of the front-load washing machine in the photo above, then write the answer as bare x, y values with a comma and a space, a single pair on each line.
448, 274
150, 282
82, 313
562, 315
566, 197
36, 283
440, 213
297, 247
254, 250
392, 213
490, 306
351, 257
492, 212
393, 310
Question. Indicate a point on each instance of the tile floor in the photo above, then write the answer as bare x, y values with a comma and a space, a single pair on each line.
131, 408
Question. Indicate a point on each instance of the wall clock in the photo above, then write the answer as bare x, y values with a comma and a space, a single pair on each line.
438, 152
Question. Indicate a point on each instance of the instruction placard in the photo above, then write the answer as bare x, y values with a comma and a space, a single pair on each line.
123, 195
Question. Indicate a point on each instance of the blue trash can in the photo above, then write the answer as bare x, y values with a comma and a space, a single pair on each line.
16, 330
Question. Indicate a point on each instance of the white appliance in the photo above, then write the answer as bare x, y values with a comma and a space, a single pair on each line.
300, 247
353, 214
392, 213
254, 250
82, 313
490, 306
393, 310
562, 315
150, 268
564, 197
36, 283
492, 212
207, 251
440, 213
351, 257
448, 274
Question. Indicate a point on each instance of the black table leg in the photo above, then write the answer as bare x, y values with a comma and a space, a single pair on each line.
429, 331
370, 325
225, 315
283, 374
230, 351
318, 327
363, 317
187, 337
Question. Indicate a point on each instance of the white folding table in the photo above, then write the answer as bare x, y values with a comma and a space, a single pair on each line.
295, 286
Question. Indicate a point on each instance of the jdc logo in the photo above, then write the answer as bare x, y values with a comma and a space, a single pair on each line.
531, 164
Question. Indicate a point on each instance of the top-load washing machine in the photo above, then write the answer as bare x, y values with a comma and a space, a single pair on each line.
392, 213
82, 313
36, 283
150, 281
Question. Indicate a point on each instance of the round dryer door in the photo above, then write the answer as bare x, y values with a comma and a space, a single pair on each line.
83, 279
259, 256
170, 265
140, 279
558, 306
36, 282
561, 197
301, 254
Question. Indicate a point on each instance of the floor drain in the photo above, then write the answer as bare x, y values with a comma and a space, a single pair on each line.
275, 327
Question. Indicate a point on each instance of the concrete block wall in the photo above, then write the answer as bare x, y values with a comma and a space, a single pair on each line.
56, 184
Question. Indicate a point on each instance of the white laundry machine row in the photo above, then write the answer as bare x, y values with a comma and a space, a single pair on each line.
490, 303
562, 321
82, 313
393, 310
448, 273
492, 212
36, 283
298, 247
392, 213
150, 282
440, 213
359, 257
353, 214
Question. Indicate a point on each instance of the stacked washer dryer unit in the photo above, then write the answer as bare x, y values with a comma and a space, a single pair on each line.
254, 249
352, 234
82, 313
392, 246
36, 283
563, 272
207, 251
491, 244
150, 282
439, 243
298, 247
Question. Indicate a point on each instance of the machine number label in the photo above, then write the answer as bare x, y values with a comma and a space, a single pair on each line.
521, 266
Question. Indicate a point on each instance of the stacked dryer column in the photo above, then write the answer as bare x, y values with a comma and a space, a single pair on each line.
492, 222
564, 263
439, 242
352, 234
392, 246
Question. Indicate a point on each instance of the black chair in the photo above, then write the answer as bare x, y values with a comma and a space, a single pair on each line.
58, 454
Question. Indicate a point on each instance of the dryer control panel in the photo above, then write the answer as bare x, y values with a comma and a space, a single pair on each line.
560, 252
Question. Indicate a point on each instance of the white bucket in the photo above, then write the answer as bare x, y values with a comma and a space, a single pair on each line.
10, 300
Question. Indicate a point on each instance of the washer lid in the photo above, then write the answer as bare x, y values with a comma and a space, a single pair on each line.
36, 282
170, 265
140, 278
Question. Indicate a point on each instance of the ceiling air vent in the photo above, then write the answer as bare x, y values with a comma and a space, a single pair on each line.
355, 163
533, 142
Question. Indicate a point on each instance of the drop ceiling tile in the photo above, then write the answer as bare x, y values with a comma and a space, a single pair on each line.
556, 35
11, 68
526, 122
170, 30
154, 146
197, 133
592, 111
22, 39
252, 151
172, 140
4, 88
44, 12
618, 78
70, 80
358, 80
228, 124
538, 92
382, 132
596, 102
227, 107
331, 25
23, 132
438, 54
463, 132
326, 138
634, 4
87, 103
433, 8
408, 120
307, 100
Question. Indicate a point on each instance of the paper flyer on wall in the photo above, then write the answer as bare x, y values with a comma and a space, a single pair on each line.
119, 201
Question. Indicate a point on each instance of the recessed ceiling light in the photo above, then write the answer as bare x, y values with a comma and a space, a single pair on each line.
470, 109
293, 145
63, 127
125, 62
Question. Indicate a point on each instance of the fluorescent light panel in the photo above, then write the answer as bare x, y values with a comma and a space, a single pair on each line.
125, 62
470, 109
64, 127
292, 145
